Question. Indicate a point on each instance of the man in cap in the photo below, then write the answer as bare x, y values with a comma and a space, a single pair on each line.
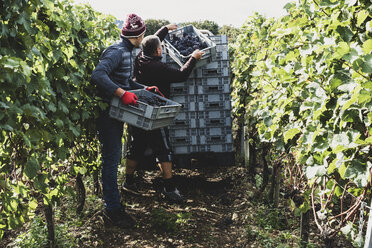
113, 77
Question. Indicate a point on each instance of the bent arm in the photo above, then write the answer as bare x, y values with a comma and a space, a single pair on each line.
100, 76
171, 75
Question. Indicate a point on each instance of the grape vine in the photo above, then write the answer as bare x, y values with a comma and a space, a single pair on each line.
303, 83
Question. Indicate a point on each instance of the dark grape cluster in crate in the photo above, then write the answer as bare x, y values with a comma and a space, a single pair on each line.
187, 43
152, 100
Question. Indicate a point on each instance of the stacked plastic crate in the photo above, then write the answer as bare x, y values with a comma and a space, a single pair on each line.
203, 128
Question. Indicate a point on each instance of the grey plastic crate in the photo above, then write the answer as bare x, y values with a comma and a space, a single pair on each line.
222, 55
215, 122
183, 132
215, 139
184, 140
183, 88
219, 39
184, 149
204, 72
215, 97
213, 114
216, 148
222, 48
218, 64
210, 89
186, 115
209, 52
185, 120
188, 123
204, 102
182, 99
212, 131
144, 115
206, 106
212, 81
188, 101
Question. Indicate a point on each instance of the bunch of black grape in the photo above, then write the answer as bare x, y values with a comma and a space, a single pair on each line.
152, 100
187, 43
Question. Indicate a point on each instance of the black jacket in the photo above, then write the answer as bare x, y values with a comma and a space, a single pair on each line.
149, 70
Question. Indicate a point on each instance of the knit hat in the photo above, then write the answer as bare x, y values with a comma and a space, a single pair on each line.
133, 27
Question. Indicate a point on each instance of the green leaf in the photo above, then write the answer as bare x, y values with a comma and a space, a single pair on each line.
59, 123
33, 204
342, 49
367, 64
332, 166
361, 16
367, 46
352, 100
75, 130
52, 107
369, 140
345, 33
365, 97
317, 170
31, 167
291, 133
338, 191
359, 172
342, 170
367, 85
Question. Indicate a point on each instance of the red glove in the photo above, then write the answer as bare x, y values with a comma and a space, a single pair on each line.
129, 98
155, 90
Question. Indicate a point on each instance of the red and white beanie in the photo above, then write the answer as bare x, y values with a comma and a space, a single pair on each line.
133, 26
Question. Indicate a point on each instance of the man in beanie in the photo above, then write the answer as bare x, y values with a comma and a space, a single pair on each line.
149, 69
113, 77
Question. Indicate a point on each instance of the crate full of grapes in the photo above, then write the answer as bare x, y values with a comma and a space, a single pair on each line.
180, 44
151, 112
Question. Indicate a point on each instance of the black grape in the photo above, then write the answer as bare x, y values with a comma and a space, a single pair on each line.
152, 100
187, 43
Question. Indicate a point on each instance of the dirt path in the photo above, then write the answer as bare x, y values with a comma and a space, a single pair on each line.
213, 215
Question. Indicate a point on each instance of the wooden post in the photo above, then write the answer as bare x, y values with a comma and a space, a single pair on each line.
368, 239
244, 145
278, 178
275, 184
49, 216
305, 228
81, 194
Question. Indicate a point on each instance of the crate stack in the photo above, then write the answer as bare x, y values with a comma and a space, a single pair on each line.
203, 127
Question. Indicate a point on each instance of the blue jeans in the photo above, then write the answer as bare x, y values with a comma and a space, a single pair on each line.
110, 132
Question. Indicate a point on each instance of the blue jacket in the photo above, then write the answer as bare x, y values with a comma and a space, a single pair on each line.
115, 70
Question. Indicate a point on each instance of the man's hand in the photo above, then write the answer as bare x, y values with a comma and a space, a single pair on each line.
155, 90
129, 98
172, 26
197, 54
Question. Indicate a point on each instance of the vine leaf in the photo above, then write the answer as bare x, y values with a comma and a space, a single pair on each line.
31, 168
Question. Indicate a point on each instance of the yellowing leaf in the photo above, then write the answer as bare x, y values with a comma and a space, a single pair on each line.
367, 46
369, 140
290, 134
361, 16
342, 49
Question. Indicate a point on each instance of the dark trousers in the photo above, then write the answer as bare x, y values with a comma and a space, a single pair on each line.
110, 132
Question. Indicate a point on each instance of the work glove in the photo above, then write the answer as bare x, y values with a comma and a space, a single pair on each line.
129, 98
154, 89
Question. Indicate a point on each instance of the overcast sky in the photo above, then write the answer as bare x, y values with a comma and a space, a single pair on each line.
230, 12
